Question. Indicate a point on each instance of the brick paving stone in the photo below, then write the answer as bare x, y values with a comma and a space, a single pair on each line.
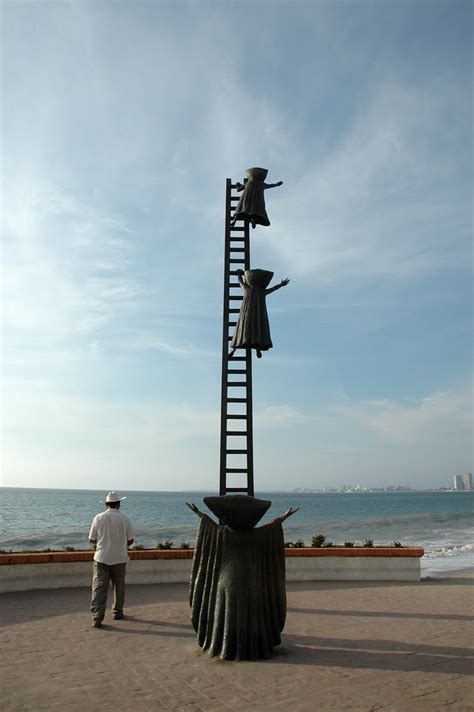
354, 646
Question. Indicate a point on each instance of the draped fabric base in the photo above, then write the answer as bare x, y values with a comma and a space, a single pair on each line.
253, 328
237, 595
252, 203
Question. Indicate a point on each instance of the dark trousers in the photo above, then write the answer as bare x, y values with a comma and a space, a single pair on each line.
103, 575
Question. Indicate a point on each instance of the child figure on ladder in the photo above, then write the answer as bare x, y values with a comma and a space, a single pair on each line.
251, 205
253, 329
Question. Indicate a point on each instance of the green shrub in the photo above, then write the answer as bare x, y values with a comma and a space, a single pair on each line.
368, 543
184, 545
318, 540
137, 547
299, 544
328, 545
166, 544
348, 544
68, 548
397, 544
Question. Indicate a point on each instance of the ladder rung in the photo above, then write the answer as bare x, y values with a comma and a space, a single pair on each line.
234, 285
236, 239
234, 311
232, 323
236, 452
236, 400
237, 249
236, 261
236, 489
238, 358
236, 469
236, 370
236, 417
240, 433
236, 298
237, 229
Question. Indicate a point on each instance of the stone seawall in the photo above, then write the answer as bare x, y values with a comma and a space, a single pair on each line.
69, 569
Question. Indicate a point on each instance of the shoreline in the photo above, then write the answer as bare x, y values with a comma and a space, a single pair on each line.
467, 572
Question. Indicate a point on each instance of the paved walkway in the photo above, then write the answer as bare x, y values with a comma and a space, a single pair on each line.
346, 646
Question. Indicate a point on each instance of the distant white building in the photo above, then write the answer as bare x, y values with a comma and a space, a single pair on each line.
467, 481
458, 482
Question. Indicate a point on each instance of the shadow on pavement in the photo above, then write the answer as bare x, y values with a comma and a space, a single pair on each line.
23, 606
381, 614
375, 654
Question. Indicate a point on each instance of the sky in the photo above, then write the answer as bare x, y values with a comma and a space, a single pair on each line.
120, 123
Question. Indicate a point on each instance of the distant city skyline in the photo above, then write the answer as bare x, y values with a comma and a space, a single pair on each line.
387, 488
120, 124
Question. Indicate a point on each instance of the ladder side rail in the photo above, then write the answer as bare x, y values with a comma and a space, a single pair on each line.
225, 342
248, 365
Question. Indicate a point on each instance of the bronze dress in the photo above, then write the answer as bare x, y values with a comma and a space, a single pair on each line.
251, 205
237, 595
253, 328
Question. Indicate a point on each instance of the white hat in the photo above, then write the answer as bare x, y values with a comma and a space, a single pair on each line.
112, 497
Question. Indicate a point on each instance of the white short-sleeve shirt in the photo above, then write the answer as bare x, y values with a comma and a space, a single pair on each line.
111, 529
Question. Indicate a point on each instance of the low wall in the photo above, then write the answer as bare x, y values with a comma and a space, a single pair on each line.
25, 572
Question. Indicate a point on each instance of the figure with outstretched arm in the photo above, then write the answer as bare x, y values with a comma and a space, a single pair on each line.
251, 206
253, 329
237, 591
278, 520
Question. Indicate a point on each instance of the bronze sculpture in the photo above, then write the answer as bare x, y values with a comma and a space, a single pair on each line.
251, 205
237, 594
253, 329
237, 591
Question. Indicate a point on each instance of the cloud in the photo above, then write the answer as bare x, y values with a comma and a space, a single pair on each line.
318, 444
434, 417
380, 202
278, 416
120, 127
65, 263
437, 416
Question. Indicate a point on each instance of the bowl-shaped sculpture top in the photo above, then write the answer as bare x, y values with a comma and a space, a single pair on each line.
256, 173
258, 277
238, 511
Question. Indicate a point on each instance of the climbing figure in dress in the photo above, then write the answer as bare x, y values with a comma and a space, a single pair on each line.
251, 206
253, 329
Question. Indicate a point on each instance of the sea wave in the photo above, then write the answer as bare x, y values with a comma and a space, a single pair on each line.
457, 518
78, 539
449, 551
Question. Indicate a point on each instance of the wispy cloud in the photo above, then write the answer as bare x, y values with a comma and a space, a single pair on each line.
64, 262
381, 203
121, 123
435, 416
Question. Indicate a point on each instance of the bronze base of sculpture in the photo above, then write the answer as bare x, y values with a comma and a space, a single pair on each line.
238, 596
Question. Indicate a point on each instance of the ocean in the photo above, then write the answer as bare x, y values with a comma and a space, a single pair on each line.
441, 522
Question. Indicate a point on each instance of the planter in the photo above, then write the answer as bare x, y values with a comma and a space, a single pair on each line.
69, 569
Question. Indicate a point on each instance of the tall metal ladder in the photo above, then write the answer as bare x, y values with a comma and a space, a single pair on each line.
236, 371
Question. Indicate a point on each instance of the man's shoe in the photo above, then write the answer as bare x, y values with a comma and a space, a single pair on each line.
97, 624
118, 616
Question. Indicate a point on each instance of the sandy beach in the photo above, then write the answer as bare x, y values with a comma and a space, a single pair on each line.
346, 646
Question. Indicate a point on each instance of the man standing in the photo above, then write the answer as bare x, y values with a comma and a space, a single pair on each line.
112, 534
